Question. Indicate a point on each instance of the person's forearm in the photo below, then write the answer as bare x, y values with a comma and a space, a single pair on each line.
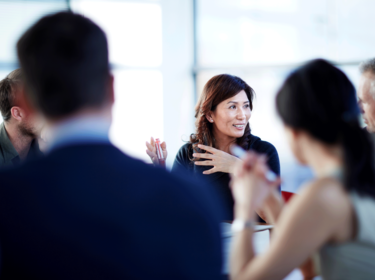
272, 211
273, 208
242, 246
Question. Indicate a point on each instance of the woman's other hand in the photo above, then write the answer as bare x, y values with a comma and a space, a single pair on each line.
250, 187
151, 151
221, 161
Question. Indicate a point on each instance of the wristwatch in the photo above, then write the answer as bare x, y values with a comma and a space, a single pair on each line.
239, 225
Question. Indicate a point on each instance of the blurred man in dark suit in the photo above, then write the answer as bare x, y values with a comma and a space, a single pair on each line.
86, 210
21, 128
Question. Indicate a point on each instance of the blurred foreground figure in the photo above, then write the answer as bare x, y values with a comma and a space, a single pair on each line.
86, 210
21, 127
335, 212
366, 94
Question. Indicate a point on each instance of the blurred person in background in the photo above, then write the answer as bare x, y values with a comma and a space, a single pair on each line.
366, 94
21, 127
222, 117
335, 213
86, 210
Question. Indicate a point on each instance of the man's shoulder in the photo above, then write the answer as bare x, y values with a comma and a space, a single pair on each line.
2, 157
67, 159
105, 169
94, 163
7, 151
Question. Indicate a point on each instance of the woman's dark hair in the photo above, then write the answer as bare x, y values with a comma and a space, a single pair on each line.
319, 99
216, 90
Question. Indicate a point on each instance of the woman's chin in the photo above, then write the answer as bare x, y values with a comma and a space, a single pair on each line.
238, 134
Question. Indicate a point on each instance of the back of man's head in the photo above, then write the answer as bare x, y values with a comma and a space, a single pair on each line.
368, 66
367, 69
8, 88
64, 58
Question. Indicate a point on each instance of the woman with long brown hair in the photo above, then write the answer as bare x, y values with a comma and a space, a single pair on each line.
222, 119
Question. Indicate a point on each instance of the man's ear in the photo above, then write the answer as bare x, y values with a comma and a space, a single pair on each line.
209, 117
17, 113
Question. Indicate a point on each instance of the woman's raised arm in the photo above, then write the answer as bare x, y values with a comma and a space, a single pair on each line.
302, 228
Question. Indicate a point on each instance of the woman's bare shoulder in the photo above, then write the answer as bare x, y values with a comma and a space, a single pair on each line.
324, 190
327, 198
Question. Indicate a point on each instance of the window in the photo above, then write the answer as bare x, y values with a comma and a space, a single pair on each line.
262, 41
134, 32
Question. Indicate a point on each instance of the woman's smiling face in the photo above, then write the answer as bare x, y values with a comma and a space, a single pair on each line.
231, 116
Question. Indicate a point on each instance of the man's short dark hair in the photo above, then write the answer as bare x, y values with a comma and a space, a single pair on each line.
368, 65
64, 58
7, 92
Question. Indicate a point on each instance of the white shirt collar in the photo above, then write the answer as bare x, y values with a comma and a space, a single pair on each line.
79, 130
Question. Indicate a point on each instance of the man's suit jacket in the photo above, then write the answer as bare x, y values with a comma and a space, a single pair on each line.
91, 212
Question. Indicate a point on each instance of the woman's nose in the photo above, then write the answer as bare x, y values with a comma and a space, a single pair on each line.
241, 114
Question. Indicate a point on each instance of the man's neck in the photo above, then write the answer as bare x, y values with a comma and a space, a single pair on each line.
20, 142
86, 126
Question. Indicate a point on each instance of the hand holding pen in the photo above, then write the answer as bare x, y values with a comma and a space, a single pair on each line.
241, 153
157, 151
252, 183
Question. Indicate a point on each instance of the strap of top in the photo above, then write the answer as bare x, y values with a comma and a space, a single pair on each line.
364, 207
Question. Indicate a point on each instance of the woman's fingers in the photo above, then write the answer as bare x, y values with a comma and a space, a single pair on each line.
246, 165
151, 150
205, 155
207, 148
153, 156
210, 171
261, 170
249, 160
205, 162
276, 183
150, 147
163, 146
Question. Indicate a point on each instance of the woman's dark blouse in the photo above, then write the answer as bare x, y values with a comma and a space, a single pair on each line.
221, 180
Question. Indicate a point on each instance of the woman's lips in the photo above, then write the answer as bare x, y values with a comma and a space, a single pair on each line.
239, 126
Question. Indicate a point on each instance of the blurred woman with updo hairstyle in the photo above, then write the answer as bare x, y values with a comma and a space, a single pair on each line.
222, 119
334, 214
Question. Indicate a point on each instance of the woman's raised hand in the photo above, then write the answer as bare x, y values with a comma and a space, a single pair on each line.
250, 187
151, 151
221, 161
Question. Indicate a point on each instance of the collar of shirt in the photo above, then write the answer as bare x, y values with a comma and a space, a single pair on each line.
82, 130
9, 153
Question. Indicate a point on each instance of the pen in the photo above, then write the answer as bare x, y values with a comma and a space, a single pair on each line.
159, 152
240, 153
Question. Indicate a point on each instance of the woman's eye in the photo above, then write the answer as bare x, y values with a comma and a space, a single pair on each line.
232, 107
247, 106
